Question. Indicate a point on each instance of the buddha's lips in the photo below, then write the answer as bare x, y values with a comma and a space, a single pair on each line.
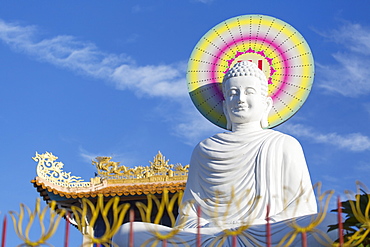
240, 108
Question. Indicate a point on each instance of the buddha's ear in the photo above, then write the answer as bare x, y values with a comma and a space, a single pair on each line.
226, 113
264, 120
269, 103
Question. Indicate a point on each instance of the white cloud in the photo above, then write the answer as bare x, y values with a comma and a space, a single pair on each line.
367, 107
131, 39
354, 142
125, 158
350, 75
84, 57
161, 81
140, 8
194, 127
88, 157
331, 179
363, 167
136, 9
204, 1
353, 36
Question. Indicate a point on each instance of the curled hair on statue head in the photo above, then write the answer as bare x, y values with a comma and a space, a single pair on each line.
247, 68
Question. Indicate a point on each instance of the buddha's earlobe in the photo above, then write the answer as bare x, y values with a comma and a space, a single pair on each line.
264, 120
226, 113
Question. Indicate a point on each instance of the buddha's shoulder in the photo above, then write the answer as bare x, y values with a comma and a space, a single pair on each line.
266, 134
270, 139
261, 135
288, 143
284, 139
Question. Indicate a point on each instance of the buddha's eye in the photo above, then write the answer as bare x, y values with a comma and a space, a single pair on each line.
250, 91
233, 92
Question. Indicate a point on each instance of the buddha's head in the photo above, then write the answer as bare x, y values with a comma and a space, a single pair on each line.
246, 95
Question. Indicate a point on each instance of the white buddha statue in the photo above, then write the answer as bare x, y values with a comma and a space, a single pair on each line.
238, 173
236, 176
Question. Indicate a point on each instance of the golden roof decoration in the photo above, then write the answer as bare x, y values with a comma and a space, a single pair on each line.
123, 189
110, 172
51, 170
158, 171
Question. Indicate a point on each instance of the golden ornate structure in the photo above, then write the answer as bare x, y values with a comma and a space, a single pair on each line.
137, 180
158, 171
127, 185
52, 171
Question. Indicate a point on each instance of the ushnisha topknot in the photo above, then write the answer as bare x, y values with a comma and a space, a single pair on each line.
246, 68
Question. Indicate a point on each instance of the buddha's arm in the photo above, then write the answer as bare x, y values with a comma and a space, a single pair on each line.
299, 198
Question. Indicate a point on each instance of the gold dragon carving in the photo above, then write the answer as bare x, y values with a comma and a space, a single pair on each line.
51, 170
159, 170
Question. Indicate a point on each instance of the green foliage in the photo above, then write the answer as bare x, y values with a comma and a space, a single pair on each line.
354, 226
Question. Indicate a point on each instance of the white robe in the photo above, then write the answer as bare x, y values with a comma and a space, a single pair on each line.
233, 177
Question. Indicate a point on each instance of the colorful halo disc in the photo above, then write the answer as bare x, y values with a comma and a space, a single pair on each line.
275, 46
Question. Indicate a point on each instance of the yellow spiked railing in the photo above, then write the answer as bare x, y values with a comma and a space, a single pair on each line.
112, 215
47, 231
92, 211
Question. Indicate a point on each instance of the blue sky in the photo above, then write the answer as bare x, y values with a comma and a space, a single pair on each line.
87, 78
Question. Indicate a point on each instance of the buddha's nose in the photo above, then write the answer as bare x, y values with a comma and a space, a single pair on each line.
241, 98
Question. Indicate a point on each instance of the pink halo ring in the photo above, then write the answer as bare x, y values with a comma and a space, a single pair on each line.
226, 47
289, 69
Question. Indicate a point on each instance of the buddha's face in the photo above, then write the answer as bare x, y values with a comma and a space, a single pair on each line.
244, 102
